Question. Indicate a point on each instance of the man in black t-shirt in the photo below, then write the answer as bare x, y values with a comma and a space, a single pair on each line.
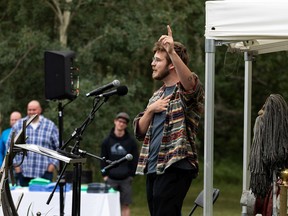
117, 145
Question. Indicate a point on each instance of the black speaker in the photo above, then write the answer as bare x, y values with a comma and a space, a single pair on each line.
60, 80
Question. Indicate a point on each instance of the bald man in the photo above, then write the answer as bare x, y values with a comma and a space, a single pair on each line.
14, 117
42, 132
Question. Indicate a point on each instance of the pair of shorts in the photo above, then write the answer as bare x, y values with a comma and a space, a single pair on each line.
124, 186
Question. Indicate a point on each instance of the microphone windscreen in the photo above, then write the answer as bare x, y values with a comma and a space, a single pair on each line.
122, 90
116, 83
129, 157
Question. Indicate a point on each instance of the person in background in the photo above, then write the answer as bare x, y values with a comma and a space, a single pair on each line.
168, 126
14, 117
42, 132
117, 145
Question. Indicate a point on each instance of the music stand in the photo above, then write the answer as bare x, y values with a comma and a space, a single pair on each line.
53, 154
50, 153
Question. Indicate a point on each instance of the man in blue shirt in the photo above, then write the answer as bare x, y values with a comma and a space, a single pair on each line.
14, 117
42, 132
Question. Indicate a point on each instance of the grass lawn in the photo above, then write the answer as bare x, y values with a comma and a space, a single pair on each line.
227, 204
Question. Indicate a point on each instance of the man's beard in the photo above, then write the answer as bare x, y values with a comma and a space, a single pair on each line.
162, 75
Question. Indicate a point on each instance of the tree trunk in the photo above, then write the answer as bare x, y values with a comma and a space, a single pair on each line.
64, 18
64, 23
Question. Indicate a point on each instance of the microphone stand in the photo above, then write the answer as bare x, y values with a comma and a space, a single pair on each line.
83, 153
77, 134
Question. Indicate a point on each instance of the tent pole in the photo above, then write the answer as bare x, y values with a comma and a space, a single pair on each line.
248, 57
209, 126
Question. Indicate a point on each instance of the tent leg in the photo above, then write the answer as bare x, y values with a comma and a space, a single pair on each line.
209, 126
248, 57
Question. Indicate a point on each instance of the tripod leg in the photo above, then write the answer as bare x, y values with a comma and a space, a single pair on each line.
58, 180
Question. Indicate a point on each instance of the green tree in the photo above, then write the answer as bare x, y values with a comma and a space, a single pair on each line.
113, 40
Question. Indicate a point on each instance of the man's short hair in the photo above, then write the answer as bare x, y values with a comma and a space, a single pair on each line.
179, 48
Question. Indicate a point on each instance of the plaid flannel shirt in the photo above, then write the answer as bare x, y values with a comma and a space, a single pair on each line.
46, 135
180, 128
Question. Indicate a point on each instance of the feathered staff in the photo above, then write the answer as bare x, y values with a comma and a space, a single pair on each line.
269, 148
6, 200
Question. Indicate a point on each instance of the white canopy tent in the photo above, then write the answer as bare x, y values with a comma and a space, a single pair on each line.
253, 27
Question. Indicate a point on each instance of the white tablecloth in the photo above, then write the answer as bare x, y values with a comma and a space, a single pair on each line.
92, 204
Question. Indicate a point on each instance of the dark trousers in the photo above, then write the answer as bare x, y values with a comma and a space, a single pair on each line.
24, 182
166, 192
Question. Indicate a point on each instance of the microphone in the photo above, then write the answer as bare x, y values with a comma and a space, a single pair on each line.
128, 157
121, 90
100, 90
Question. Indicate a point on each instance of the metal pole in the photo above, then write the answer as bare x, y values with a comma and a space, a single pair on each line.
248, 57
209, 126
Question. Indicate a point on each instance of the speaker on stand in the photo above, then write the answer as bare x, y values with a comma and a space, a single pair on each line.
61, 77
61, 82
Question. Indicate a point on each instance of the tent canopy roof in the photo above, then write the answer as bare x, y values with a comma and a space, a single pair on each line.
260, 26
